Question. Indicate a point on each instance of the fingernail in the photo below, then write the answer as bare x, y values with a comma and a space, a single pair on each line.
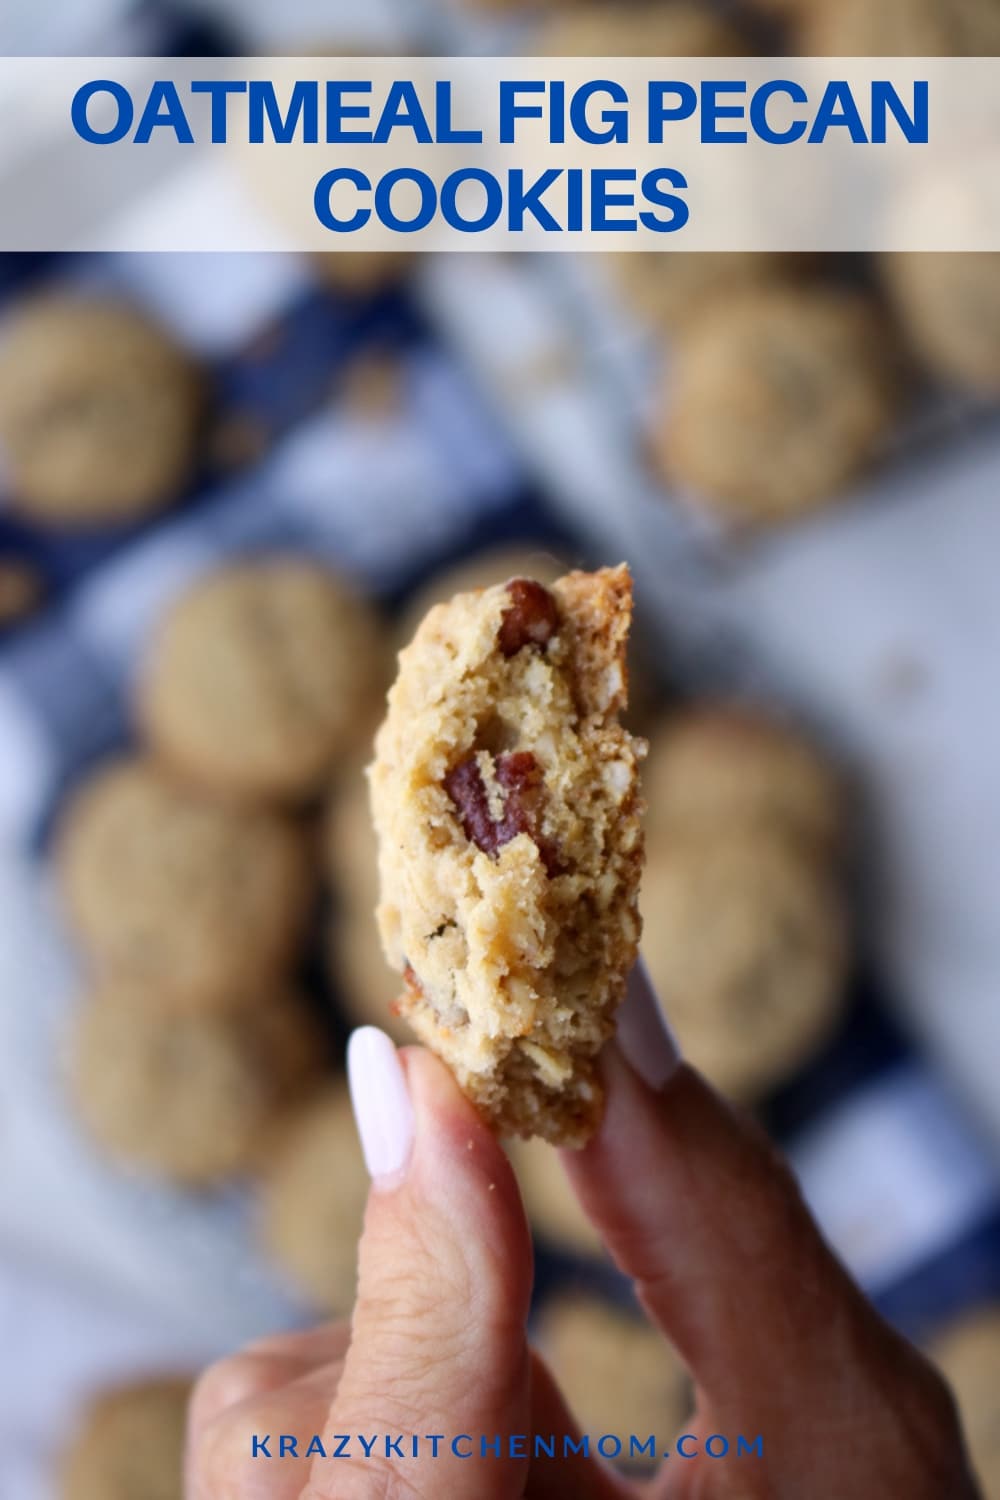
644, 1034
381, 1103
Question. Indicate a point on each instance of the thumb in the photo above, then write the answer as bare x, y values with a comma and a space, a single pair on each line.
438, 1345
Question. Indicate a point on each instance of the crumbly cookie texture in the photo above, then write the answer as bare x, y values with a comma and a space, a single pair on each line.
505, 795
778, 397
171, 891
617, 1373
968, 1355
186, 1096
314, 1193
99, 411
720, 766
260, 675
130, 1444
746, 943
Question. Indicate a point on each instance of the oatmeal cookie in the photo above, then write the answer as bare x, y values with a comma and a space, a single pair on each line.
949, 305
776, 399
189, 1096
505, 798
260, 676
900, 28
747, 949
99, 412
314, 1194
481, 571
130, 1444
968, 1355
617, 1373
640, 28
718, 766
172, 892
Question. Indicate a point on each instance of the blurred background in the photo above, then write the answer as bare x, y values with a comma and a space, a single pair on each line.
230, 487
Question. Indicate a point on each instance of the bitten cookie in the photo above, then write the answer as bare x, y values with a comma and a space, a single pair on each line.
260, 676
175, 894
717, 767
776, 399
314, 1193
190, 1097
950, 308
99, 412
505, 798
480, 571
130, 1444
747, 948
360, 975
968, 1355
900, 28
617, 1373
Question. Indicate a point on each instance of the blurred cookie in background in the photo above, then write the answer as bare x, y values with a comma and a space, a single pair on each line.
174, 893
22, 589
776, 399
968, 1355
719, 767
949, 307
665, 289
899, 28
617, 1373
188, 1097
130, 1444
745, 938
99, 412
313, 1200
639, 28
260, 676
551, 1204
359, 972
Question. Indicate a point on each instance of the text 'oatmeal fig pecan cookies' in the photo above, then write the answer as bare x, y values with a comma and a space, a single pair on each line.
505, 795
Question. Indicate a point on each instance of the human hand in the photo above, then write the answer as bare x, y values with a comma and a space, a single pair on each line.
694, 1205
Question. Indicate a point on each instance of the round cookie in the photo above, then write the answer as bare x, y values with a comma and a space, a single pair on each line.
617, 1373
130, 1444
968, 1355
551, 1204
949, 305
359, 972
745, 940
99, 412
665, 290
900, 28
260, 676
190, 1097
314, 1194
177, 894
640, 28
717, 766
776, 399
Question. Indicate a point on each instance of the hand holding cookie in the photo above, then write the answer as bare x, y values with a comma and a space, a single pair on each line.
695, 1208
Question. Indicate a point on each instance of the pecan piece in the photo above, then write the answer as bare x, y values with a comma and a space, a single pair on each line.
519, 776
531, 618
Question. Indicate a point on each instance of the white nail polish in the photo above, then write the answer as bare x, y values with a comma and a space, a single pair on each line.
644, 1034
381, 1101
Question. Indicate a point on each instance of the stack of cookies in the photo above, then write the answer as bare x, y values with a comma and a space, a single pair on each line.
745, 931
189, 872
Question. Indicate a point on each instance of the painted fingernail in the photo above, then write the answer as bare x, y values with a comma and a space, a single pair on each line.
381, 1102
644, 1034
